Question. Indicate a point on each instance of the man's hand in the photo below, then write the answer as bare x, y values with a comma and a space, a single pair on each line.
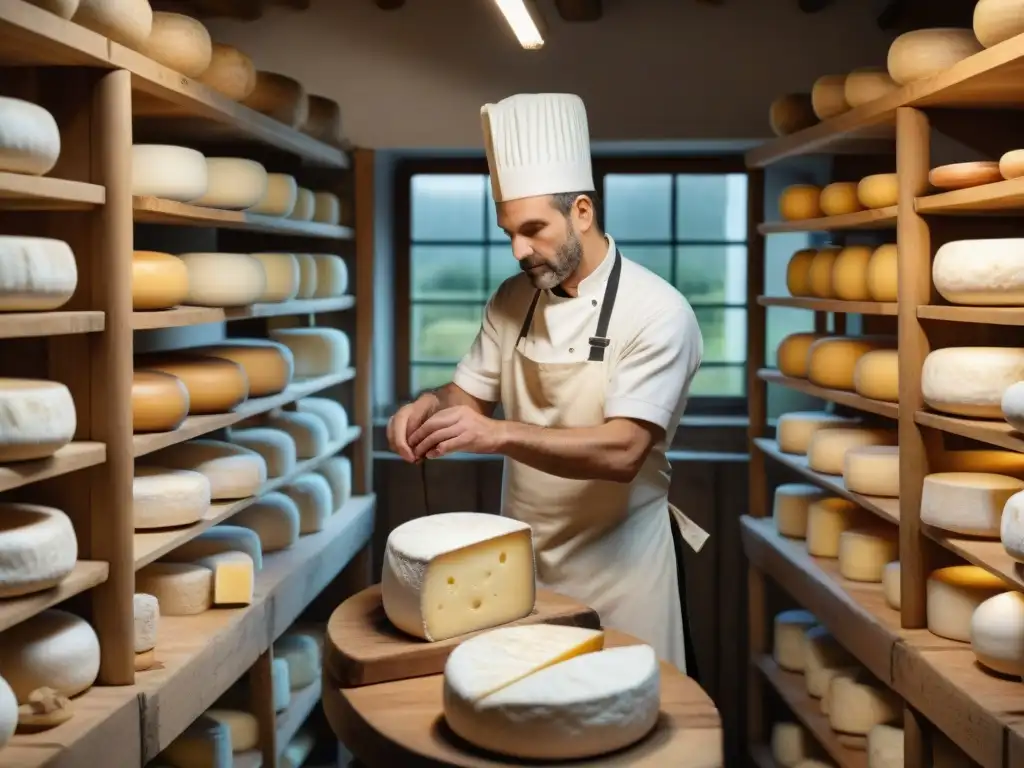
456, 429
407, 420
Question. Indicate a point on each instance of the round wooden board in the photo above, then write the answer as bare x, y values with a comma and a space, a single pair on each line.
401, 723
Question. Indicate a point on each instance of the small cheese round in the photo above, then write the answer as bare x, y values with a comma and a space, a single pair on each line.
337, 470
159, 402
832, 362
997, 20
167, 498
280, 97
997, 633
215, 385
29, 138
850, 273
790, 113
38, 548
858, 702
795, 430
866, 84
53, 649
878, 190
276, 446
790, 645
234, 472
800, 201
331, 412
981, 272
37, 419
312, 495
280, 197
882, 276
146, 609
230, 72
864, 552
324, 120
169, 172
963, 175
885, 747
824, 655
268, 366
791, 355
828, 97
233, 183
970, 381
820, 273
839, 198
179, 42
1011, 527
224, 279
985, 460
8, 713
953, 594
925, 53
826, 521
798, 281
308, 430
318, 351
305, 205
827, 451
791, 743
37, 274
876, 375
159, 281
282, 271
326, 208
274, 518
128, 22
873, 470
970, 503
1011, 164
331, 276
182, 589
790, 508
891, 584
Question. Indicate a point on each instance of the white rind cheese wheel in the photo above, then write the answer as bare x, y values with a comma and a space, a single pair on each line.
307, 275
326, 208
282, 276
312, 495
37, 274
819, 275
858, 702
850, 271
883, 275
128, 22
159, 281
867, 84
826, 521
8, 713
790, 508
877, 375
224, 279
791, 355
832, 362
885, 747
925, 53
795, 430
182, 589
37, 419
997, 20
29, 138
243, 727
234, 472
798, 281
864, 552
167, 498
274, 518
878, 190
981, 272
230, 72
318, 351
790, 641
969, 503
791, 743
953, 595
827, 451
221, 538
215, 385
302, 654
38, 548
1011, 527
305, 205
1011, 164
1012, 405
824, 654
280, 685
159, 402
891, 585
970, 381
146, 609
828, 98
206, 743
179, 42
308, 430
799, 202
280, 197
435, 581
277, 447
331, 276
997, 633
338, 472
873, 470
168, 172
53, 649
233, 183
331, 412
268, 366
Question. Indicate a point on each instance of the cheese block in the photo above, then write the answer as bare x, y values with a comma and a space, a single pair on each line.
276, 446
169, 172
550, 714
305, 205
338, 473
1011, 527
832, 362
37, 419
953, 594
981, 272
873, 470
226, 537
885, 747
866, 84
858, 702
159, 281
449, 574
331, 275
233, 183
790, 113
331, 412
800, 201
864, 552
224, 279
876, 375
970, 381
791, 743
243, 727
790, 642
997, 20
925, 53
878, 190
182, 589
206, 743
230, 72
298, 750
53, 649
324, 120
214, 385
798, 268
839, 198
891, 584
38, 548
274, 519
8, 713
302, 654
37, 274
268, 366
29, 138
963, 175
970, 503
159, 402
1011, 164
281, 689
997, 633
820, 273
234, 472
308, 430
828, 97
795, 430
307, 275
790, 508
179, 42
997, 462
827, 451
1012, 406
850, 273
280, 197
128, 22
317, 351
827, 519
824, 654
882, 277
146, 610
167, 498
312, 495
282, 98
234, 577
282, 270
326, 208
792, 353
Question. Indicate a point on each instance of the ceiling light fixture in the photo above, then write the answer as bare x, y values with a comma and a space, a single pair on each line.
525, 21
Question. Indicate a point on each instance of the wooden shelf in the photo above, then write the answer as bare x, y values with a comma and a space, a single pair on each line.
850, 399
877, 218
989, 315
41, 193
829, 305
20, 325
993, 432
153, 210
86, 575
887, 509
70, 458
1002, 197
31, 36
184, 316
989, 555
303, 702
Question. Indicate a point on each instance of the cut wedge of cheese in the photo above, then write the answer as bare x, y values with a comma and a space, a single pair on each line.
970, 503
38, 548
234, 578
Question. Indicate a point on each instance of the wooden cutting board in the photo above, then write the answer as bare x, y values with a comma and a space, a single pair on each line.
362, 647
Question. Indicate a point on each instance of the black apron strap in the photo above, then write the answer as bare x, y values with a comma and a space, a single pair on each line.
528, 320
599, 341
690, 652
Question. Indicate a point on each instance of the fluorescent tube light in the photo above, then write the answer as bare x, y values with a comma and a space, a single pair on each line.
524, 26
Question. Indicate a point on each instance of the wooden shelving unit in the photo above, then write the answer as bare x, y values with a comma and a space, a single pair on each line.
104, 96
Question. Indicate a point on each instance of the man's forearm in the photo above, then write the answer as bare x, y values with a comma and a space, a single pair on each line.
606, 452
451, 395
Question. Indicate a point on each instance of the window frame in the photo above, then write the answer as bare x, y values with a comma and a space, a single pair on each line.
406, 168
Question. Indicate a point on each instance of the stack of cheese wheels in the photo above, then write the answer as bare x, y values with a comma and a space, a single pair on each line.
857, 702
827, 450
795, 430
214, 384
146, 610
839, 198
879, 190
873, 470
37, 419
866, 84
824, 657
268, 366
234, 472
159, 281
882, 277
964, 175
953, 594
179, 42
971, 381
925, 53
230, 72
789, 647
792, 501
317, 351
969, 503
792, 353
790, 113
891, 584
53, 649
30, 143
38, 548
280, 97
37, 274
827, 519
169, 172
799, 202
981, 272
997, 633
274, 518
819, 274
832, 362
876, 375
791, 744
864, 552
828, 96
233, 183
280, 197
243, 728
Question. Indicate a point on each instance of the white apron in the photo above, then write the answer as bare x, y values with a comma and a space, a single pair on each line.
609, 545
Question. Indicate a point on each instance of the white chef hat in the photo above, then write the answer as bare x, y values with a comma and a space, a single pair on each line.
537, 144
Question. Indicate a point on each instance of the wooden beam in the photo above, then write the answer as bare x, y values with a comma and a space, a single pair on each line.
579, 10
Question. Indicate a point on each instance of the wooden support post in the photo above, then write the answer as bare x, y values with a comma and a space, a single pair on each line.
261, 704
364, 191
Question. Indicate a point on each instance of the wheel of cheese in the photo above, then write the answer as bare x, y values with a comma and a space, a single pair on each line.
970, 381
8, 712
305, 205
159, 402
791, 356
820, 273
997, 20
832, 362
850, 273
928, 52
243, 727
307, 275
981, 272
280, 198
65, 9
179, 42
282, 271
891, 585
230, 72
873, 470
182, 589
827, 451
233, 183
867, 84
882, 276
268, 366
858, 702
37, 274
790, 643
324, 119
795, 430
331, 276
992, 461
790, 507
791, 113
317, 351
274, 518
37, 548
1011, 527
128, 22
146, 612
29, 138
953, 594
828, 96
791, 743
168, 498
798, 272
337, 471
224, 279
330, 412
168, 172
280, 97
963, 175
234, 472
970, 503
312, 495
159, 281
1011, 165
37, 419
876, 375
864, 552
214, 385
879, 190
839, 198
885, 747
1012, 406
326, 208
997, 633
277, 447
826, 520
308, 430
824, 653
53, 649
799, 202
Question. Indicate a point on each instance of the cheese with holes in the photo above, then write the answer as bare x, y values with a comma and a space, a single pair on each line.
37, 419
224, 279
864, 552
282, 271
182, 589
159, 402
233, 183
305, 205
308, 430
1011, 527
230, 72
128, 22
826, 521
8, 713
873, 470
827, 451
925, 53
986, 272
159, 281
338, 473
448, 574
882, 275
798, 281
307, 275
953, 595
791, 355
312, 495
866, 84
790, 641
206, 743
790, 508
832, 362
167, 498
791, 743
317, 351
970, 381
274, 519
331, 412
234, 577
997, 633
268, 366
858, 702
879, 190
970, 503
850, 272
326, 208
891, 584
820, 273
37, 274
800, 201
795, 430
876, 375
179, 42
146, 611
280, 197
53, 649
276, 446
38, 548
169, 172
824, 654
226, 537
214, 385
1012, 406
984, 460
281, 689
885, 747
29, 138
234, 472
243, 727
331, 275
302, 654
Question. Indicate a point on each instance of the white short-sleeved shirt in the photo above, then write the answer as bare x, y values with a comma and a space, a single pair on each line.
655, 343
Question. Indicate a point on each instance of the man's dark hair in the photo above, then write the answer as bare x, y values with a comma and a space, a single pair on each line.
563, 202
